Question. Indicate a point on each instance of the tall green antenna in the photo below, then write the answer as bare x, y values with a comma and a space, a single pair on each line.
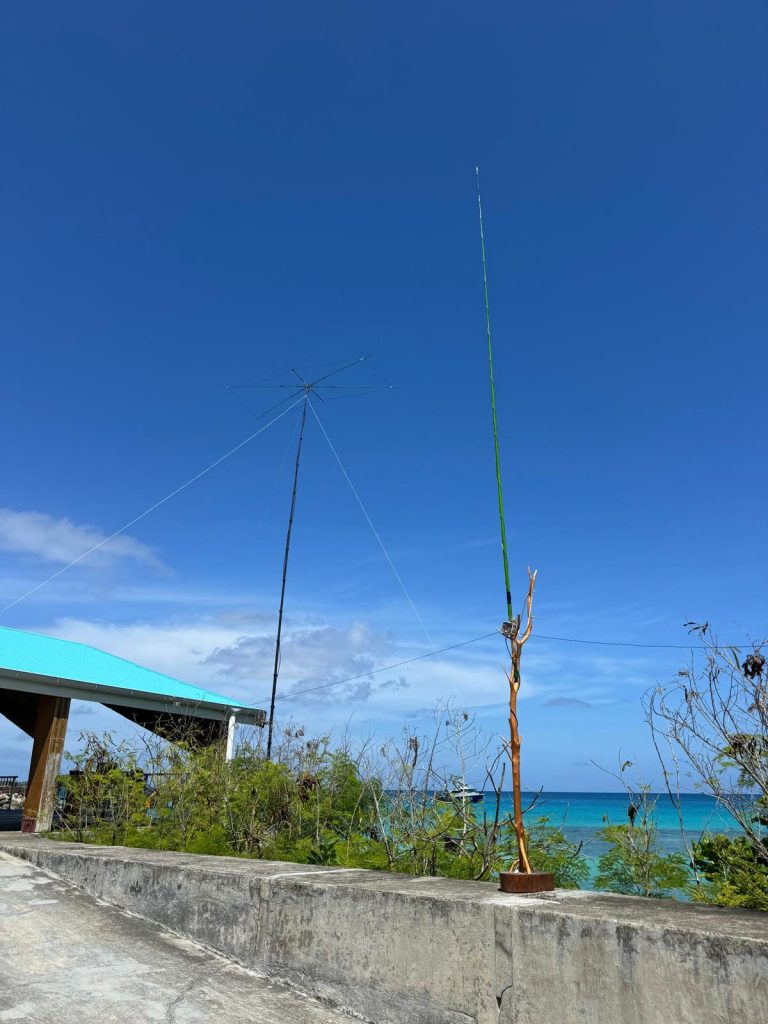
493, 409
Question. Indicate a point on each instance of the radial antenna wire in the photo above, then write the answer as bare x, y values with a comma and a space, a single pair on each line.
146, 512
493, 409
303, 388
375, 532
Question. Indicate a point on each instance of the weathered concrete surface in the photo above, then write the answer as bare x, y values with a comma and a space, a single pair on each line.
402, 950
66, 959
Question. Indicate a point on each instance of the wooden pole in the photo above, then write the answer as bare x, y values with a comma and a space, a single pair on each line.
516, 642
45, 765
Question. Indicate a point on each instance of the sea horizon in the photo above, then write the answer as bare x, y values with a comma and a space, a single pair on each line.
583, 815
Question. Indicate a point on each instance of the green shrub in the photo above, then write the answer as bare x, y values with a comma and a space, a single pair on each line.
734, 872
104, 796
315, 805
633, 865
550, 850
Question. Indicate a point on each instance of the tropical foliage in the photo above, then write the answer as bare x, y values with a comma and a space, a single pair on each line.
310, 803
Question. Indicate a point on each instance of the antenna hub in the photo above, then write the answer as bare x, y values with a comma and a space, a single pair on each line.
511, 629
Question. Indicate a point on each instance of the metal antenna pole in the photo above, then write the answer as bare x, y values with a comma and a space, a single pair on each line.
511, 629
493, 410
306, 387
276, 669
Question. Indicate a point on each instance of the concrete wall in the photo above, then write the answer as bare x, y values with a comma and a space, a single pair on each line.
401, 950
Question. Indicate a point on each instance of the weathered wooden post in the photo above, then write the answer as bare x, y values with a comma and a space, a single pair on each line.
45, 764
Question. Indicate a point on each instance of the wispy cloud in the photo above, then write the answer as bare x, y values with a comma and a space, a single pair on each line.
321, 663
567, 702
60, 541
83, 710
233, 652
336, 664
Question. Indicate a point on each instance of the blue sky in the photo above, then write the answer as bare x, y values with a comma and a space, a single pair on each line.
195, 196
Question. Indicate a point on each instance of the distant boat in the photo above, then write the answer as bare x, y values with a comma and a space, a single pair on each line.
460, 792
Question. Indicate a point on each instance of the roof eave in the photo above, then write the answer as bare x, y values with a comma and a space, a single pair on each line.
76, 689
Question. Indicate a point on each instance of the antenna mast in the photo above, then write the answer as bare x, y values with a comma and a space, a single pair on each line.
305, 388
291, 514
493, 409
523, 878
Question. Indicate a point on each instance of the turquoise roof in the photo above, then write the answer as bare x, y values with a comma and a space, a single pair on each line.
39, 655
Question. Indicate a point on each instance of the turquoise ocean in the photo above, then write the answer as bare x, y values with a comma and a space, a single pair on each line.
583, 815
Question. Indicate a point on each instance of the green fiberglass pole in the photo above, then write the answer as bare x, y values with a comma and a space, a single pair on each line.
493, 409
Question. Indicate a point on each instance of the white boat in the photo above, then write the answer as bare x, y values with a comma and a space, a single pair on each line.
460, 793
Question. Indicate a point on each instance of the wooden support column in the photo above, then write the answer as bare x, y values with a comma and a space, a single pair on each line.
50, 732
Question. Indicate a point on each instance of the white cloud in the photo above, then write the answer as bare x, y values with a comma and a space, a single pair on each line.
566, 702
311, 656
178, 647
62, 541
233, 652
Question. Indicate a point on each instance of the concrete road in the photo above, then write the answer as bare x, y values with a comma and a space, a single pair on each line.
66, 958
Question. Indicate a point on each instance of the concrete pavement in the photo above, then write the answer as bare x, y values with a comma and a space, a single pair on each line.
395, 949
67, 958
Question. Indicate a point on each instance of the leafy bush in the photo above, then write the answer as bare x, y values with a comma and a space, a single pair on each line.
550, 850
104, 795
312, 804
632, 863
735, 874
633, 866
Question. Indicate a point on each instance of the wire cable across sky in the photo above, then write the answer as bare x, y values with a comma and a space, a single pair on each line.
487, 636
375, 532
146, 512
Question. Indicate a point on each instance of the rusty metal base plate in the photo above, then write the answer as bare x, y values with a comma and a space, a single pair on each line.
521, 882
